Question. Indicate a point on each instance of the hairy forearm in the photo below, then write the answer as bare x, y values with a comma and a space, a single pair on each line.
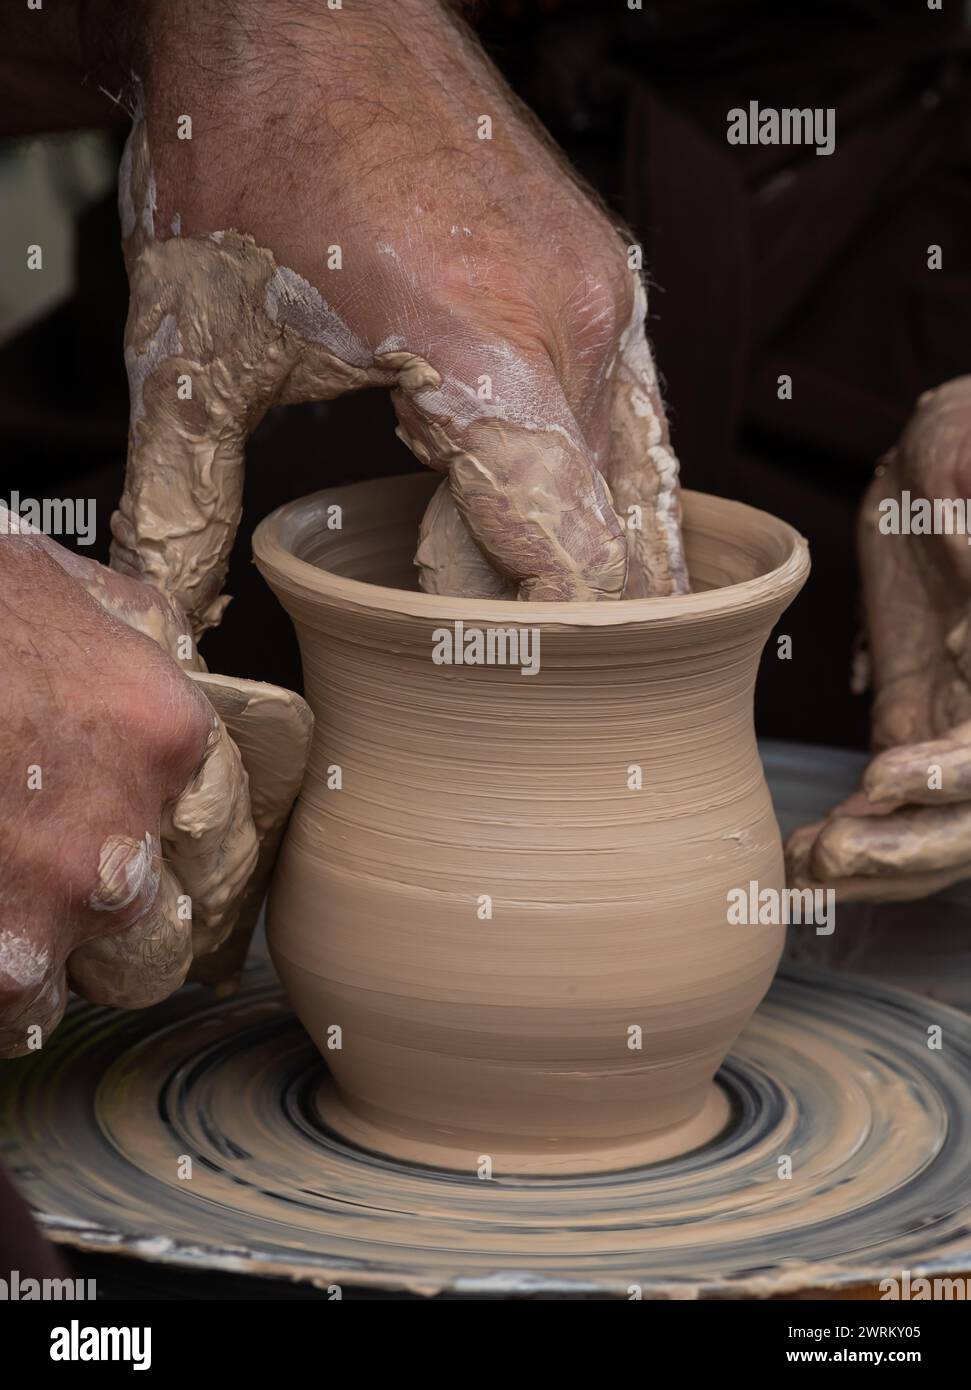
71, 63
279, 94
219, 38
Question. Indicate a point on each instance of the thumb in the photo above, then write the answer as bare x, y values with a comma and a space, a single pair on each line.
178, 513
190, 415
216, 334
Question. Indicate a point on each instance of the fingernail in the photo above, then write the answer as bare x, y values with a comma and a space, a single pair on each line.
127, 868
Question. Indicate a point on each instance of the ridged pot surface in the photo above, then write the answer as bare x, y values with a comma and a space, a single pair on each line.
501, 906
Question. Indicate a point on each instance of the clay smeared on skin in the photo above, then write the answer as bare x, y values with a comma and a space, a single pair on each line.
643, 471
908, 835
251, 334
171, 898
127, 869
144, 963
508, 1036
270, 727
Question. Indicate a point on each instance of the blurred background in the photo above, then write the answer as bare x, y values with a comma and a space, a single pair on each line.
762, 261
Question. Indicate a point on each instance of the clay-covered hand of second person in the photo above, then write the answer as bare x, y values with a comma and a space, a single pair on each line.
359, 201
907, 832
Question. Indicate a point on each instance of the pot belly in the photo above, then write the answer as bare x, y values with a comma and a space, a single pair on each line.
544, 1036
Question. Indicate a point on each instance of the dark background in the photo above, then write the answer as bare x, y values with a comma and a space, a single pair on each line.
763, 260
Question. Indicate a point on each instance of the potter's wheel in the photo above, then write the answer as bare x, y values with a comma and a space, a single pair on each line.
839, 1077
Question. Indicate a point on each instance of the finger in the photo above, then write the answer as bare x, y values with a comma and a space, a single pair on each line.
531, 498
859, 804
537, 506
801, 843
904, 636
210, 841
143, 963
128, 876
909, 841
915, 609
271, 728
934, 461
206, 359
33, 996
930, 773
178, 513
216, 334
798, 850
642, 470
888, 888
33, 985
449, 559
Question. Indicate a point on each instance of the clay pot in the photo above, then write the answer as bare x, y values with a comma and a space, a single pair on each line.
501, 905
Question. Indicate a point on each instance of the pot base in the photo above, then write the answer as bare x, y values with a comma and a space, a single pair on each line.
445, 1150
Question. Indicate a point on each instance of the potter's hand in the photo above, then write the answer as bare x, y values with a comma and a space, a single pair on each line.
125, 831
362, 203
908, 831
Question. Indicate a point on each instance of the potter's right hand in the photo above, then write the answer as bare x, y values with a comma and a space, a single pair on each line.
110, 756
359, 201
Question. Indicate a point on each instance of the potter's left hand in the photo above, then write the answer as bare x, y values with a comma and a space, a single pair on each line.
907, 832
363, 203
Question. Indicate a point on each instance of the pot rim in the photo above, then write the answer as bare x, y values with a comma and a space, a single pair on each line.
777, 586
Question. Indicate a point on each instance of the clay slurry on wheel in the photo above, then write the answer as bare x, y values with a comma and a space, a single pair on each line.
838, 1077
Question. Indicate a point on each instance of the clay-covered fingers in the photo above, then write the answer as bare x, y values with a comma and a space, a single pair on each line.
210, 841
192, 407
154, 904
904, 888
535, 508
554, 513
449, 560
136, 951
905, 853
33, 989
931, 773
271, 728
199, 876
803, 872
798, 852
144, 963
641, 469
905, 834
912, 840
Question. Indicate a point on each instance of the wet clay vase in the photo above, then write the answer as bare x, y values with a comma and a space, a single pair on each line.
501, 908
